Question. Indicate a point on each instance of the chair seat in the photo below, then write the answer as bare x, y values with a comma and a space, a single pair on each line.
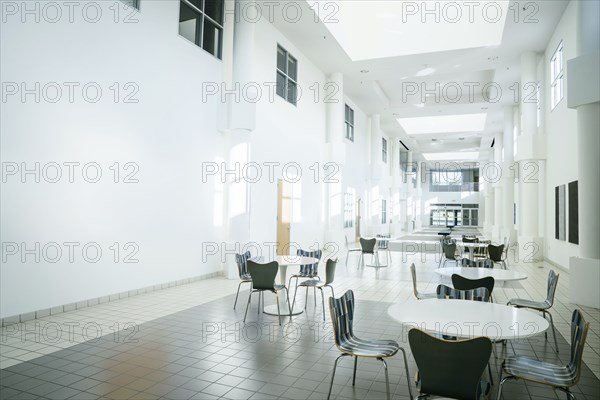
422, 296
538, 371
305, 275
370, 348
537, 305
312, 282
279, 287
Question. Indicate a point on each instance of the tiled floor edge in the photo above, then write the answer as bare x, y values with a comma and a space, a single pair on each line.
103, 299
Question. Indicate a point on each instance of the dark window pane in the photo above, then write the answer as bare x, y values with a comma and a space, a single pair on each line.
211, 39
292, 68
189, 21
280, 88
351, 116
197, 3
292, 92
281, 60
214, 9
346, 112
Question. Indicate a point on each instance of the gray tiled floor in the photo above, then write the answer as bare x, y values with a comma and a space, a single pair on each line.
206, 352
187, 342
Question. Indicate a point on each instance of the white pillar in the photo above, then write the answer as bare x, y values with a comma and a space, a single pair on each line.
508, 187
530, 240
335, 152
498, 192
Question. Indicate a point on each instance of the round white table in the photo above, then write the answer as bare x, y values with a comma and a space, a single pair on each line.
284, 262
499, 275
467, 318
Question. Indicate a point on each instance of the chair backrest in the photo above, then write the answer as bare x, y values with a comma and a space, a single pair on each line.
413, 272
478, 294
487, 263
579, 330
310, 269
263, 275
461, 283
368, 245
342, 315
495, 252
330, 270
242, 263
552, 283
383, 241
449, 250
450, 368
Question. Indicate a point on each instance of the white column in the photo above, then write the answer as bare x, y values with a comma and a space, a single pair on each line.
582, 78
498, 192
529, 238
395, 226
508, 187
409, 193
240, 122
335, 152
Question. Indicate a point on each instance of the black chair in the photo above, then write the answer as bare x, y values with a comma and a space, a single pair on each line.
367, 246
450, 368
445, 240
481, 252
241, 260
543, 306
418, 294
263, 280
342, 316
449, 253
496, 254
487, 263
461, 283
557, 376
308, 270
314, 283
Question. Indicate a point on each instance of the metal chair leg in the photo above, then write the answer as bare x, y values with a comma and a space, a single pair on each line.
333, 374
287, 295
248, 305
407, 373
306, 299
354, 375
322, 302
237, 294
490, 373
347, 255
278, 310
387, 380
553, 330
502, 380
295, 291
570, 395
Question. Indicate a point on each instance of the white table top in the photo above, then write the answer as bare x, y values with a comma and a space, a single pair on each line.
295, 260
500, 275
474, 245
467, 318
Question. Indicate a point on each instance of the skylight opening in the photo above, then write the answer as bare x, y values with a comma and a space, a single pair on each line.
443, 124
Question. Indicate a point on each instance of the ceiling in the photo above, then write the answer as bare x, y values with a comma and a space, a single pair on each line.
411, 57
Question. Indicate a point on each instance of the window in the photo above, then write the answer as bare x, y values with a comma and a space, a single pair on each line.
459, 180
201, 22
383, 212
349, 208
556, 76
349, 123
538, 97
287, 74
384, 150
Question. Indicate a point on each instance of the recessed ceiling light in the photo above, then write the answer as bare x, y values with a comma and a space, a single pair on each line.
364, 71
454, 156
443, 124
461, 138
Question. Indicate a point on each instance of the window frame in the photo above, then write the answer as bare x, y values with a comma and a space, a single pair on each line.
349, 122
384, 152
287, 77
383, 211
204, 18
349, 208
557, 76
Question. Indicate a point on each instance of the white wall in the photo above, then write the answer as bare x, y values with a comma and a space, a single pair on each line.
168, 134
561, 129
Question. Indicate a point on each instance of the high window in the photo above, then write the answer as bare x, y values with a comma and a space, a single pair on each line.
384, 150
349, 123
201, 22
132, 3
287, 75
383, 211
556, 76
459, 180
